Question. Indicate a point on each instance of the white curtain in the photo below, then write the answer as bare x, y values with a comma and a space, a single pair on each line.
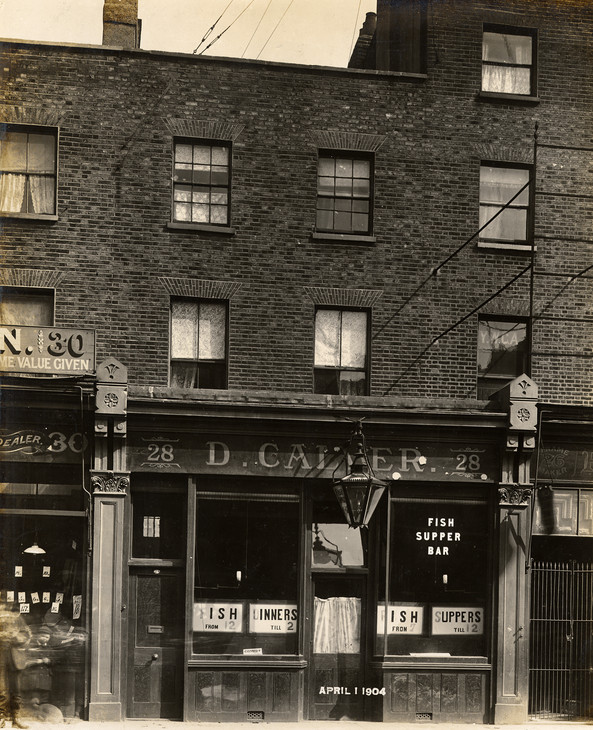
42, 192
337, 625
12, 190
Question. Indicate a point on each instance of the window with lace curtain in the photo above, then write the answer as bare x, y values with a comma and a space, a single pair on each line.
503, 352
27, 171
341, 357
508, 61
504, 205
198, 343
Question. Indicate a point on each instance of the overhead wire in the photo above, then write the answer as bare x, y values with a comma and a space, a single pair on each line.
354, 29
230, 25
256, 28
211, 28
275, 28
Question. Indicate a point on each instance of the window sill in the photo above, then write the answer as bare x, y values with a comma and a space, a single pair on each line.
514, 247
29, 216
345, 237
203, 227
503, 97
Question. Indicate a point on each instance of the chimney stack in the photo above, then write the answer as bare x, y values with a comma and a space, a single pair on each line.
120, 23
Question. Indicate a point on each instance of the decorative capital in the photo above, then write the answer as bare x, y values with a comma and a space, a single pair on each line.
110, 482
514, 496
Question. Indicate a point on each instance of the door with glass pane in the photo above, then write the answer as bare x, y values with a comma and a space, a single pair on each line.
156, 643
337, 660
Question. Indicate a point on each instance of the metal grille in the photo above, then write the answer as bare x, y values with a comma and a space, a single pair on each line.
255, 715
561, 645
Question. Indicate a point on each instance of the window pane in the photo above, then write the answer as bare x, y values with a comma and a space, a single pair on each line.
506, 79
200, 213
325, 185
507, 48
219, 214
327, 337
42, 194
352, 382
510, 225
344, 186
183, 153
362, 168
12, 193
499, 184
242, 578
212, 331
41, 153
343, 168
184, 375
220, 155
362, 187
354, 339
326, 166
220, 176
325, 220
182, 212
184, 318
211, 375
201, 154
13, 152
326, 381
342, 221
502, 348
26, 307
360, 222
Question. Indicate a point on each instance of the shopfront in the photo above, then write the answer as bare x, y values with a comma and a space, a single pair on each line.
44, 549
289, 614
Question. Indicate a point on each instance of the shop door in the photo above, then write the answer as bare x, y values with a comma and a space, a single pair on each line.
561, 641
157, 610
337, 659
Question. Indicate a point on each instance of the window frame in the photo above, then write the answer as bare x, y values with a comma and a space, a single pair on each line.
483, 381
29, 129
197, 361
202, 225
367, 348
25, 292
517, 244
516, 31
351, 155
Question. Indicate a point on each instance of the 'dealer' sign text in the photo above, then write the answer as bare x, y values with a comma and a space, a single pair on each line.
283, 456
47, 350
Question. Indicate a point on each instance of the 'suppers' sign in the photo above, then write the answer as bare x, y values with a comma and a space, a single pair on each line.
47, 350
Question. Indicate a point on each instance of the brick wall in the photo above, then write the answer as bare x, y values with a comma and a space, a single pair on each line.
111, 243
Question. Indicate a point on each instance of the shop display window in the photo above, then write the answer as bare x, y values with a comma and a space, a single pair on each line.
43, 609
246, 575
437, 594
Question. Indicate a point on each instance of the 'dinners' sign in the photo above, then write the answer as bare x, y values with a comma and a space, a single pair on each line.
48, 350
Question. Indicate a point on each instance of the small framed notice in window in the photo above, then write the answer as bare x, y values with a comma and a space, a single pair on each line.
457, 620
218, 616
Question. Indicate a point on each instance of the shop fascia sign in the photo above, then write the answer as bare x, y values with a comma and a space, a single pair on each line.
46, 350
284, 456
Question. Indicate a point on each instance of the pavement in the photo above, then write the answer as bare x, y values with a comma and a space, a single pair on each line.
305, 725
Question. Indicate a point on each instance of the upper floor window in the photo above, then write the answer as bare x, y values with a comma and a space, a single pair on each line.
198, 343
26, 306
499, 185
27, 171
341, 356
503, 353
344, 193
202, 183
508, 61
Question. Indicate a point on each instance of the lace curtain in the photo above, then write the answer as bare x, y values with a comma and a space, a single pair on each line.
13, 190
337, 625
502, 49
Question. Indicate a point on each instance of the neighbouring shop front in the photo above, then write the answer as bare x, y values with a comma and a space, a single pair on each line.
249, 598
43, 552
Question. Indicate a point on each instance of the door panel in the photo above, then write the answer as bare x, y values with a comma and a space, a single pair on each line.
337, 653
156, 643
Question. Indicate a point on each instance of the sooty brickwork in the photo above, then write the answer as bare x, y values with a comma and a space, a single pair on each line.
118, 114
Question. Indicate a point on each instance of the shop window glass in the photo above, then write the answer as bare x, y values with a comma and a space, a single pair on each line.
502, 353
158, 521
498, 186
26, 306
344, 193
341, 352
438, 579
42, 591
507, 62
198, 343
202, 183
27, 170
246, 576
